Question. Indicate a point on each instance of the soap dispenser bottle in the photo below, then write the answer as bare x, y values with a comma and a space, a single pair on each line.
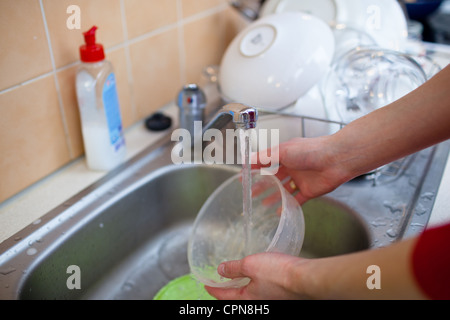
98, 103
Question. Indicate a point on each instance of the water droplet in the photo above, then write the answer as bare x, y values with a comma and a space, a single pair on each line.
7, 270
31, 251
379, 222
414, 181
420, 210
128, 286
394, 207
391, 233
37, 221
428, 196
101, 225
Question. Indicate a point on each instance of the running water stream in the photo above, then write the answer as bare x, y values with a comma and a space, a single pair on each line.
245, 145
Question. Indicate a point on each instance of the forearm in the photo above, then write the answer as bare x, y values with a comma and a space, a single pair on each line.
414, 122
345, 277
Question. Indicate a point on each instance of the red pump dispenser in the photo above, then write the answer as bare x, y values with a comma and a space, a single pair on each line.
91, 51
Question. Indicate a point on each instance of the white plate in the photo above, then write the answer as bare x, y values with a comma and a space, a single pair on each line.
383, 20
323, 9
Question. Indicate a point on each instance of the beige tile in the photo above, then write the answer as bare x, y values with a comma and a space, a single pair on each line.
24, 50
234, 23
33, 142
143, 16
105, 14
66, 81
191, 7
156, 72
204, 44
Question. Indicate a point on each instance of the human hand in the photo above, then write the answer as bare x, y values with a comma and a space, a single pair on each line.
271, 274
309, 167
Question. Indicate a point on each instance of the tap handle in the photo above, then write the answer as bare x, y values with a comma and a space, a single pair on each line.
191, 97
192, 103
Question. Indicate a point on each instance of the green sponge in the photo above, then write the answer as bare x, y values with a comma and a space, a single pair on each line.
183, 288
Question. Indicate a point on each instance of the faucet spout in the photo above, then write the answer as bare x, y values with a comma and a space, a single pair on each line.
244, 117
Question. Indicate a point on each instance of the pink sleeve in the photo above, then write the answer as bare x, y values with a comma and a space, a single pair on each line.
431, 262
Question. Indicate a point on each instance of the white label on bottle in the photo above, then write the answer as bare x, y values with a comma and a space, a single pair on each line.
112, 110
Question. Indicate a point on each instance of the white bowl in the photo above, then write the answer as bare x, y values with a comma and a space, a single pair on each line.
276, 59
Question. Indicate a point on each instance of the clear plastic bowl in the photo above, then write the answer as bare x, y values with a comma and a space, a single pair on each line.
219, 232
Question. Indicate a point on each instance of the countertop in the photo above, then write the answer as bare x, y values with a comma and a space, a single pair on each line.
31, 204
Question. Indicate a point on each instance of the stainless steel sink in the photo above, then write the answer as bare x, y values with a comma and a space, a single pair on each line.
128, 232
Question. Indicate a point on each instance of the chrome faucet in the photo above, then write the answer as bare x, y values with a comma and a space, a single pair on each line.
244, 117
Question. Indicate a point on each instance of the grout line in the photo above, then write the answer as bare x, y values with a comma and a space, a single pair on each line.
55, 78
128, 61
205, 13
152, 33
181, 48
26, 82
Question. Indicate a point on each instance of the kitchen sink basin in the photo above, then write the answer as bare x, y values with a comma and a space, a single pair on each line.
125, 236
135, 240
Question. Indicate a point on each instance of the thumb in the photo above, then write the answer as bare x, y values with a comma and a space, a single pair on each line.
231, 269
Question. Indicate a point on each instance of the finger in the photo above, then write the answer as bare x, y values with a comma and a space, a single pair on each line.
225, 294
231, 269
272, 199
301, 199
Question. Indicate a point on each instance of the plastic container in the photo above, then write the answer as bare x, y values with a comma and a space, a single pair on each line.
101, 122
219, 232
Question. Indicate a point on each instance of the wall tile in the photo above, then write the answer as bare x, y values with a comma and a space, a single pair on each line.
24, 51
66, 81
105, 14
156, 71
191, 7
234, 23
144, 16
204, 44
33, 142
